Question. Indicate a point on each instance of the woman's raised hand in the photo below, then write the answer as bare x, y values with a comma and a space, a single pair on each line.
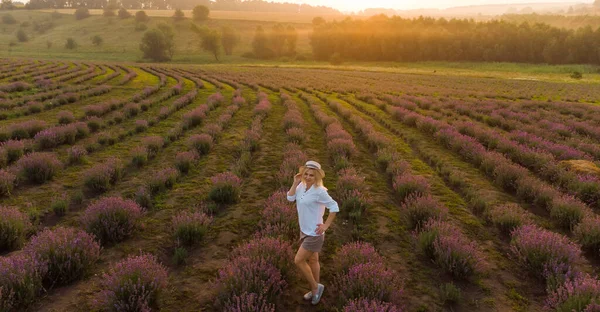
297, 178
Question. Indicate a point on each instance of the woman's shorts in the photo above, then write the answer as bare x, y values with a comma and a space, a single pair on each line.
312, 243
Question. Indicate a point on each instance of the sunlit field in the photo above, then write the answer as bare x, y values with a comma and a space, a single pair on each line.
457, 191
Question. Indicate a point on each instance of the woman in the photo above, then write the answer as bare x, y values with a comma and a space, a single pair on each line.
311, 199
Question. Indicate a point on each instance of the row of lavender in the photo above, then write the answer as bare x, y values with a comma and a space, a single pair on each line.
111, 220
551, 256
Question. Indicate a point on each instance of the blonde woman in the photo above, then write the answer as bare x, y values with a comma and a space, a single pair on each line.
311, 200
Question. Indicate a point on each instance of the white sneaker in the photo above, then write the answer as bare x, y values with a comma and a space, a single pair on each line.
308, 295
316, 298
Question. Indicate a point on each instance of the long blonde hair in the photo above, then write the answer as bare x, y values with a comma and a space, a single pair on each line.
319, 175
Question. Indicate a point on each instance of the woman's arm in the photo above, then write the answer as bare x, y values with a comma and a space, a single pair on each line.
291, 194
321, 228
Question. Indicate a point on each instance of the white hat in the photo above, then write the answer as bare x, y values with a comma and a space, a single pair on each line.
311, 164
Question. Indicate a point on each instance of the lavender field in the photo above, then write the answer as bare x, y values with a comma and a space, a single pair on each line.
128, 187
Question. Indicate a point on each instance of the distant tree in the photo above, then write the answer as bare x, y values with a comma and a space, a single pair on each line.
21, 35
178, 15
8, 19
157, 44
123, 13
229, 39
71, 44
200, 13
141, 17
97, 40
318, 21
211, 42
260, 44
291, 40
81, 13
7, 5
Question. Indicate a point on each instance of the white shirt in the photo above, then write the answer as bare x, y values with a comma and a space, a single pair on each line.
311, 206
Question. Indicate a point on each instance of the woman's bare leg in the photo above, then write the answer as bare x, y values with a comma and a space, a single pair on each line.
300, 260
315, 266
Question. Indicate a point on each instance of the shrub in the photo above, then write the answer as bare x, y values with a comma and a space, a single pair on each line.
449, 248
407, 184
111, 219
162, 180
7, 182
70, 44
14, 226
13, 149
355, 253
94, 123
76, 154
68, 254
421, 208
184, 160
202, 143
275, 251
567, 211
22, 36
279, 218
576, 75
65, 117
131, 109
82, 13
20, 281
59, 207
102, 176
248, 302
587, 233
143, 198
579, 294
123, 13
295, 135
153, 144
213, 129
362, 305
26, 129
189, 228
8, 19
246, 275
194, 118
369, 281
226, 188
507, 217
132, 284
180, 256
141, 125
538, 249
39, 167
141, 17
139, 156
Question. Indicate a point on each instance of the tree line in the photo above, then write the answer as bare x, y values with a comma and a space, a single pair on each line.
221, 5
382, 38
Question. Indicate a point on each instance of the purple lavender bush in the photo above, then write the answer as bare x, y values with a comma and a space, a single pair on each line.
449, 248
537, 248
112, 219
14, 227
39, 167
581, 294
279, 218
369, 281
20, 281
133, 284
201, 143
567, 211
226, 188
407, 184
139, 156
355, 253
363, 305
162, 180
245, 275
7, 182
507, 217
153, 144
102, 176
248, 302
65, 117
67, 253
76, 154
275, 251
185, 160
189, 227
420, 208
587, 233
13, 149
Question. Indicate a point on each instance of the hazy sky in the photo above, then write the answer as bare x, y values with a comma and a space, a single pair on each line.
346, 5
